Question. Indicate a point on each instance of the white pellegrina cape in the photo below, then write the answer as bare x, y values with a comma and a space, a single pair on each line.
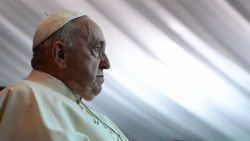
42, 108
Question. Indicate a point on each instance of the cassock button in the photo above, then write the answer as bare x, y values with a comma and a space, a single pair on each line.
96, 121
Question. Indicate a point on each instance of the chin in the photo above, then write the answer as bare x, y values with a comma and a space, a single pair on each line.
95, 91
91, 95
89, 98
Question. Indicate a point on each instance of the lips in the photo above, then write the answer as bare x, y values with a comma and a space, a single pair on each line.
100, 79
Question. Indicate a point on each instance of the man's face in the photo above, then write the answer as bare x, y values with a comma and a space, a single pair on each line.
85, 64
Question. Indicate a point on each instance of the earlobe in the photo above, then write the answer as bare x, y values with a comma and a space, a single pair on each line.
58, 52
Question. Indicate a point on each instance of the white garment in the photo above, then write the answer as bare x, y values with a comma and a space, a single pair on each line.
42, 108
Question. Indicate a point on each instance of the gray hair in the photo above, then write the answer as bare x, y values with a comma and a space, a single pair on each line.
66, 34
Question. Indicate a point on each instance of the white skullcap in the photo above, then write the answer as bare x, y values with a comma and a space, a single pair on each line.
53, 23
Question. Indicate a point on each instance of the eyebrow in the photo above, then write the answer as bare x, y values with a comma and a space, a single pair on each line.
102, 44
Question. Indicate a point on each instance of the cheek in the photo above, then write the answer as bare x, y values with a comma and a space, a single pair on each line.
87, 70
82, 68
91, 69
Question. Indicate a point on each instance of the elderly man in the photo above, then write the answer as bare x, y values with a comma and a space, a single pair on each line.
68, 62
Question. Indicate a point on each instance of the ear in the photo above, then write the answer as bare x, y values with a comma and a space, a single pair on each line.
58, 53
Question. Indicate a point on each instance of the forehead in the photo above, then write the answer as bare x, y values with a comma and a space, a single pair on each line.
89, 30
96, 32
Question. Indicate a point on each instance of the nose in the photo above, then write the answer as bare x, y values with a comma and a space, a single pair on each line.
104, 64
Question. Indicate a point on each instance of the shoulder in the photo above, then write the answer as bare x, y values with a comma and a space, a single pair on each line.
18, 91
20, 87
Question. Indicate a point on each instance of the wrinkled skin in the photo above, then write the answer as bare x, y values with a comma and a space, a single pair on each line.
85, 62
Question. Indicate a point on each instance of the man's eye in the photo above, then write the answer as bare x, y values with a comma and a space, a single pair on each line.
97, 51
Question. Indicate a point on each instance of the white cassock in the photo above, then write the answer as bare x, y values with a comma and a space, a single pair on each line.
42, 108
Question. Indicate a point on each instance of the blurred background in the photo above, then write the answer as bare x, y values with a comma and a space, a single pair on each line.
180, 69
